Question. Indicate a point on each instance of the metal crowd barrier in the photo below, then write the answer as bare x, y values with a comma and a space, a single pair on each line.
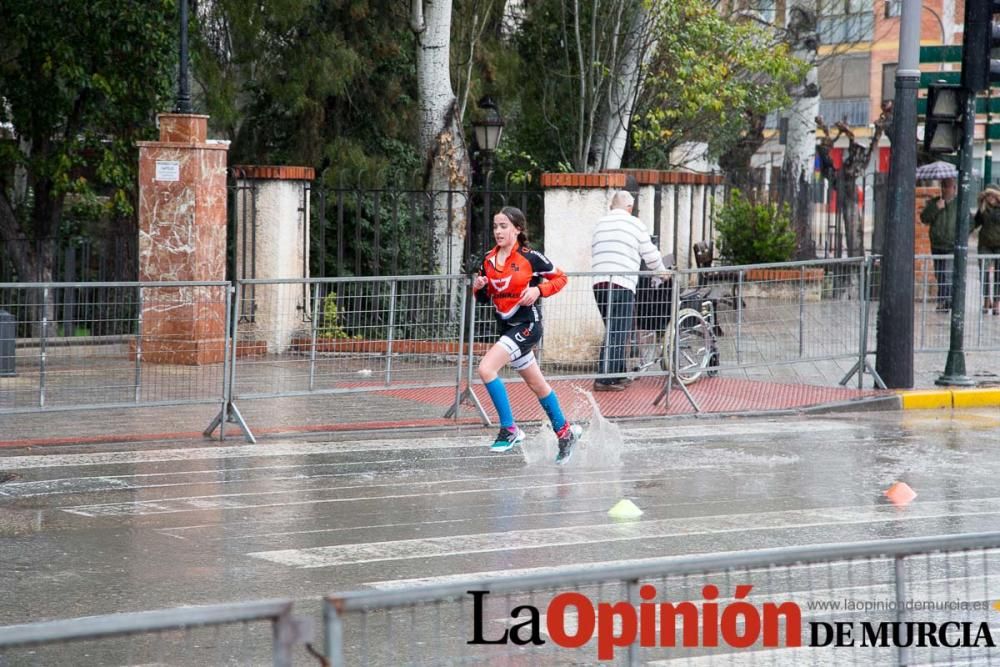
243, 633
105, 345
109, 345
766, 320
893, 602
933, 316
928, 600
329, 335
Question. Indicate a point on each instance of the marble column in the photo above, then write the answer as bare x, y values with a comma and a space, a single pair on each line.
182, 237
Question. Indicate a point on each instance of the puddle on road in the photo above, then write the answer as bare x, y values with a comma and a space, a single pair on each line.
600, 446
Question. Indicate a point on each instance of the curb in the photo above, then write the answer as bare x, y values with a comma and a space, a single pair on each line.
918, 399
938, 399
872, 404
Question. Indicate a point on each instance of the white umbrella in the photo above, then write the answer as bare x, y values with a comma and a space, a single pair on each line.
936, 171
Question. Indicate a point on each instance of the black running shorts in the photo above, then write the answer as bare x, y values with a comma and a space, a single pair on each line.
519, 340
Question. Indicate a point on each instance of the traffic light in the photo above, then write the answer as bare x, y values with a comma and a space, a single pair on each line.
943, 125
980, 36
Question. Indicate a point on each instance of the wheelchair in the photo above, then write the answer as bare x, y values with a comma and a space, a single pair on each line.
654, 331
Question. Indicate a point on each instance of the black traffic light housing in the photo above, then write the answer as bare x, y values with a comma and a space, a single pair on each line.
980, 37
943, 125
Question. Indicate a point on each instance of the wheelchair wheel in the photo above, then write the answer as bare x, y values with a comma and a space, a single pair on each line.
694, 345
644, 352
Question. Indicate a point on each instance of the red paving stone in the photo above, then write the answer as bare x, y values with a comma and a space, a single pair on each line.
721, 395
714, 395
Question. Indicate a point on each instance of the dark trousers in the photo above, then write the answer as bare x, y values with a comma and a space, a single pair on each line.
617, 306
942, 274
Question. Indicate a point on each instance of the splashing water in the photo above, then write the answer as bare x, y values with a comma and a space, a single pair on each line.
600, 445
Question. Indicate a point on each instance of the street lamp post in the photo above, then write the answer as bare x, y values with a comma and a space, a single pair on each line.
183, 102
488, 129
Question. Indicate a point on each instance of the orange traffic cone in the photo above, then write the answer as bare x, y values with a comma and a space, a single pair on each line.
900, 494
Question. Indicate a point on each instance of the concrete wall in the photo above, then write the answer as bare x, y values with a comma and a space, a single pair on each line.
272, 241
573, 205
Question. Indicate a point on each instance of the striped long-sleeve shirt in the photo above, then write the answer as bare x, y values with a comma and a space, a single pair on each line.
620, 240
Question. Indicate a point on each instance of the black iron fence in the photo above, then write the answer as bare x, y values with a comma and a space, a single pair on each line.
358, 230
846, 216
81, 312
112, 257
374, 232
361, 230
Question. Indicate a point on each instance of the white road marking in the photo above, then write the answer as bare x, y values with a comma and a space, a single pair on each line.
235, 500
274, 449
220, 453
683, 458
598, 505
343, 554
59, 486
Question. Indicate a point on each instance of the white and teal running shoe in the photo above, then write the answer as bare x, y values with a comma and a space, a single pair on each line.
507, 438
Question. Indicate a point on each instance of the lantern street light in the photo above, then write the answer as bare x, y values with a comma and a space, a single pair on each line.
488, 129
489, 126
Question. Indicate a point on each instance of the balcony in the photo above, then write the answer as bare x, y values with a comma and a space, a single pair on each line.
855, 110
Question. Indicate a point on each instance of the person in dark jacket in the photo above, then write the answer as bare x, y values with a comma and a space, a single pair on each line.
940, 213
987, 220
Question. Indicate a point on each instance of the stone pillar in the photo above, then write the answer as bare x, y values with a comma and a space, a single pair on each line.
573, 205
182, 237
272, 241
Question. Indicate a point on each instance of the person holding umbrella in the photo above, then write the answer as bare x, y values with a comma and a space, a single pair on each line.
940, 214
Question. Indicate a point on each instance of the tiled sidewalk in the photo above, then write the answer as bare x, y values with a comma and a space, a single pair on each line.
407, 408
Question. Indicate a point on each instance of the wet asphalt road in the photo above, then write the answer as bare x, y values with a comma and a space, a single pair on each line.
105, 529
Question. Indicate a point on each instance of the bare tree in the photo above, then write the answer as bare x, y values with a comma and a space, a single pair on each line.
440, 140
629, 50
800, 141
844, 179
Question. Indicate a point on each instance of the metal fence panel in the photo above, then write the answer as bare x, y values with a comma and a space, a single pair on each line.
764, 317
932, 311
344, 334
778, 606
93, 345
242, 633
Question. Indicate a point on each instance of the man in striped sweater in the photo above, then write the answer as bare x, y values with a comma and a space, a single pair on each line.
620, 241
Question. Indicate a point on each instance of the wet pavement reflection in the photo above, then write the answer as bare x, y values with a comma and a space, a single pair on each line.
102, 529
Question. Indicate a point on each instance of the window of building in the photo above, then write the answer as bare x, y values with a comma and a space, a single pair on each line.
843, 85
844, 76
845, 21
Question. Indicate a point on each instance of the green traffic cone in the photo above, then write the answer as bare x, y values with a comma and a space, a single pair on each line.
624, 509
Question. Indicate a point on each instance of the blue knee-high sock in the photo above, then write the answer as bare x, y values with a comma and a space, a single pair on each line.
551, 406
500, 401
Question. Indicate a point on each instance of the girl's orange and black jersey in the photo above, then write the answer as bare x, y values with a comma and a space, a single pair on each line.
505, 284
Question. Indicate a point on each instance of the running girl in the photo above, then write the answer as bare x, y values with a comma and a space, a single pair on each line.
513, 277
